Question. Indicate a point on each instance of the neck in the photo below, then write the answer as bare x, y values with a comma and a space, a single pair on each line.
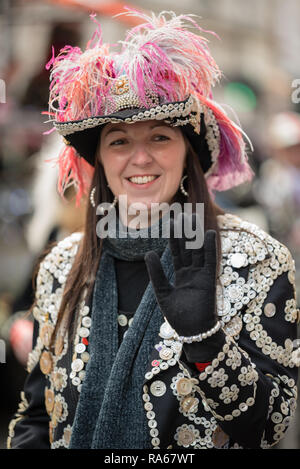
124, 242
138, 216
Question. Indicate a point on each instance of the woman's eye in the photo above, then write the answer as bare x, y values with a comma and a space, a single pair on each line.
120, 141
160, 138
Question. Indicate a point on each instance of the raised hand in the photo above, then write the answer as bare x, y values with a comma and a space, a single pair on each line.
189, 305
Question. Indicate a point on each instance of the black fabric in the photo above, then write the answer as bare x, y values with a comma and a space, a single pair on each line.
199, 143
33, 433
132, 280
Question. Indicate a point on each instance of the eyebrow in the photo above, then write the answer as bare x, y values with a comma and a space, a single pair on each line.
121, 129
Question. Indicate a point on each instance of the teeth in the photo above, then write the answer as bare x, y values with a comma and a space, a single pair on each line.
142, 179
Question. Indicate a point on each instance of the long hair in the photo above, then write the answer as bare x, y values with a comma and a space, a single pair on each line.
83, 272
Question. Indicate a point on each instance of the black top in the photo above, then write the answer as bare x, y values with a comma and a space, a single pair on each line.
132, 280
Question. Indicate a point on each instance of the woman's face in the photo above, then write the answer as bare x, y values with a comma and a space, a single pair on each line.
143, 161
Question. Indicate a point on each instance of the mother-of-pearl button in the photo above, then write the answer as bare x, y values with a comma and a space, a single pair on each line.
270, 310
122, 320
234, 327
184, 386
238, 259
158, 388
46, 362
226, 244
166, 354
186, 437
189, 404
84, 332
166, 331
86, 321
77, 365
80, 348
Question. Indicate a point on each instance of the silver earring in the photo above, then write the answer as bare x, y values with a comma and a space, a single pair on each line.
182, 188
101, 210
92, 195
93, 203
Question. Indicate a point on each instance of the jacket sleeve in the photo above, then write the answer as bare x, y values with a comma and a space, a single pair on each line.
250, 386
29, 428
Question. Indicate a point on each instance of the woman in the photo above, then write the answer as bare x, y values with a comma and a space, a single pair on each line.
141, 342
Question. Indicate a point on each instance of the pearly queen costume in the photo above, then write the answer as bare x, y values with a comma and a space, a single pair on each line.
249, 386
108, 389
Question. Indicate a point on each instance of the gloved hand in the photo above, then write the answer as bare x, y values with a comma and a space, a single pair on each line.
189, 306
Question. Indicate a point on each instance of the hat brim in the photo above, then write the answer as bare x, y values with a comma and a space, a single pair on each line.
85, 134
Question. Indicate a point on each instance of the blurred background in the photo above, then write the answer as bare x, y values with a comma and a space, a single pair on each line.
258, 52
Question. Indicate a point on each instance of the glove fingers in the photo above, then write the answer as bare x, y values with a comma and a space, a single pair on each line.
178, 242
156, 273
198, 254
174, 246
198, 257
210, 249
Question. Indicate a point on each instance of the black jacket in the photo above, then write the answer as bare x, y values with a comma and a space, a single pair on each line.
245, 398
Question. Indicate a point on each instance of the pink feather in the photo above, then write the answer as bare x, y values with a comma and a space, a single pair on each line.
73, 169
232, 166
164, 57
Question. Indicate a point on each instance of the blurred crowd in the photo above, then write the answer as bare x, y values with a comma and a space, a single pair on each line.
32, 215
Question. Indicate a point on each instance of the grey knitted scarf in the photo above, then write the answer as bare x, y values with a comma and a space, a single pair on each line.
110, 412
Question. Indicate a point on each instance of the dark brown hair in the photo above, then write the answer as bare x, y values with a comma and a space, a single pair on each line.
84, 269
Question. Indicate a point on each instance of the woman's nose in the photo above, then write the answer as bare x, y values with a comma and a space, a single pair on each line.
140, 156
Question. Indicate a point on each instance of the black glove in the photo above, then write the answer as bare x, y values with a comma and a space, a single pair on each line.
189, 306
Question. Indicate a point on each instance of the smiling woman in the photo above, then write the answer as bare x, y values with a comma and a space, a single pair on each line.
141, 342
